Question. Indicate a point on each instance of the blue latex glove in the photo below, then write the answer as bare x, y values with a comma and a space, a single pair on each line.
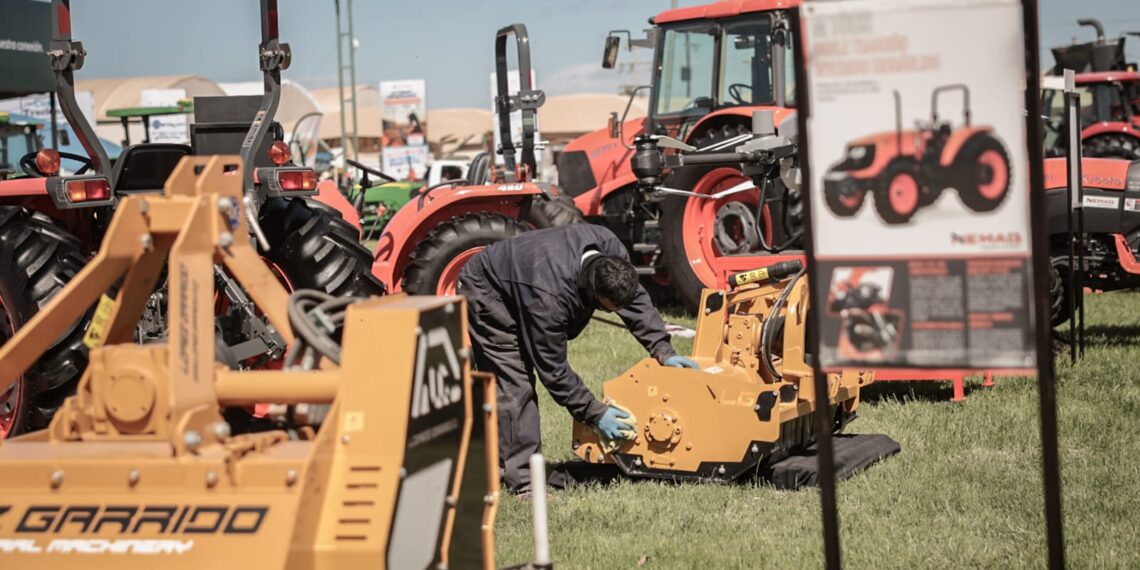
617, 423
678, 361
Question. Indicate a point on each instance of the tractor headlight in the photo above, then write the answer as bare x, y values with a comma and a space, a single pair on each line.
859, 157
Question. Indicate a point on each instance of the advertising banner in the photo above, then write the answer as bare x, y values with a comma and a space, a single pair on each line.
25, 31
919, 183
403, 110
405, 162
39, 107
166, 128
516, 117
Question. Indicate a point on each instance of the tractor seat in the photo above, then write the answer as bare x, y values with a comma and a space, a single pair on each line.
143, 168
477, 173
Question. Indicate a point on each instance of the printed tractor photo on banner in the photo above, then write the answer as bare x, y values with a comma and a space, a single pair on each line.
907, 170
860, 297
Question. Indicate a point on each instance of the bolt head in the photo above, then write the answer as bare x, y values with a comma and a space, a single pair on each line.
345, 439
221, 430
56, 478
721, 470
133, 477
211, 478
291, 477
225, 239
192, 440
144, 206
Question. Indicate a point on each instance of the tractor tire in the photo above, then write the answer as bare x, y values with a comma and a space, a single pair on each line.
557, 211
1060, 282
316, 249
845, 208
687, 284
45, 258
437, 258
1111, 146
979, 192
898, 192
15, 310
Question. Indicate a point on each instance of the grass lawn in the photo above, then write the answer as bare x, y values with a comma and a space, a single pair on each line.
964, 493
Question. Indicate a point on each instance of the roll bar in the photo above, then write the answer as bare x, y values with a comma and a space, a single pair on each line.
67, 56
952, 87
527, 100
275, 57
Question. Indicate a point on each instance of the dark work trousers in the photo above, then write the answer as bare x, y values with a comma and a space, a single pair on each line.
495, 340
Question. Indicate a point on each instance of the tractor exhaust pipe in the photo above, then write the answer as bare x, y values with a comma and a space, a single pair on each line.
1096, 25
898, 119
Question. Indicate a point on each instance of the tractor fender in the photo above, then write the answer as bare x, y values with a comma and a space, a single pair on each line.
17, 187
1104, 127
421, 215
329, 195
958, 139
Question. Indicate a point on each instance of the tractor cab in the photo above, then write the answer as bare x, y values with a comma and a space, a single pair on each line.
704, 64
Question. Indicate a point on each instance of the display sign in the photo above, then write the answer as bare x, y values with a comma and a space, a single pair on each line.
919, 183
25, 31
166, 128
403, 110
405, 162
516, 117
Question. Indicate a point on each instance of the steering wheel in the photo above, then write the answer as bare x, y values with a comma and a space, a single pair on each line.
734, 92
369, 170
28, 164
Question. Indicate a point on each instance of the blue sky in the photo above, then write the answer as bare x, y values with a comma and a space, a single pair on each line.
447, 42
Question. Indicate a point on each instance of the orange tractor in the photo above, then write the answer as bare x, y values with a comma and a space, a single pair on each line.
907, 170
54, 223
426, 243
714, 65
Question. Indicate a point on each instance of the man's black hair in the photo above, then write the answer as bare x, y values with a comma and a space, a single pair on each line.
615, 279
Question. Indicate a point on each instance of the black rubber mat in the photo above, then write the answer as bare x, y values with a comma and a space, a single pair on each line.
853, 453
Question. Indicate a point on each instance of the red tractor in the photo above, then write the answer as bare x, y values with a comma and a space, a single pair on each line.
907, 170
1112, 228
50, 225
1110, 98
714, 65
427, 242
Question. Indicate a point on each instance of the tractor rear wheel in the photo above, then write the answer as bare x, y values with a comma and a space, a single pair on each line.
15, 310
557, 211
1111, 146
1060, 282
314, 248
689, 226
436, 260
983, 174
898, 192
44, 258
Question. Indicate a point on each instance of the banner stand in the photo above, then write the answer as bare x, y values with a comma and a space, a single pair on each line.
1075, 295
1046, 382
1039, 260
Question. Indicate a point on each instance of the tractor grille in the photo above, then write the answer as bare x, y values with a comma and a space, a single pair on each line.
575, 176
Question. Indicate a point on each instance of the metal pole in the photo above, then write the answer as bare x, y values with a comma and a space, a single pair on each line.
352, 78
1072, 185
823, 419
54, 122
340, 80
1046, 383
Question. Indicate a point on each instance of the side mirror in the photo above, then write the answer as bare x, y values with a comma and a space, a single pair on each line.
609, 58
614, 125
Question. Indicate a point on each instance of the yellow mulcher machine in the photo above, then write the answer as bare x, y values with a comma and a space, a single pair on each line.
750, 405
752, 402
140, 469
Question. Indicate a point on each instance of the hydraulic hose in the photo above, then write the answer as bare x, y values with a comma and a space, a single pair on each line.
768, 331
